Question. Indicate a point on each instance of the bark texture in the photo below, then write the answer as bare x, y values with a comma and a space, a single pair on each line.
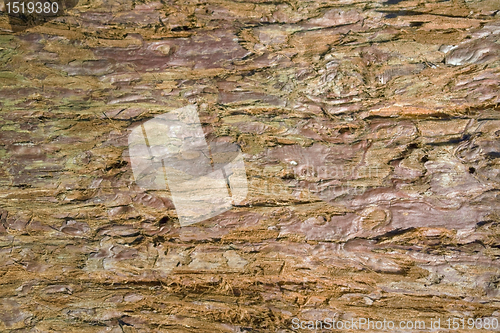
371, 138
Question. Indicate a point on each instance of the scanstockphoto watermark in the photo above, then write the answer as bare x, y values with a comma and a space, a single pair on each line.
170, 152
326, 181
365, 324
359, 324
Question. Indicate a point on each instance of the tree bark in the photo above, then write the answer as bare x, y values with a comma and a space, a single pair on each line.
370, 133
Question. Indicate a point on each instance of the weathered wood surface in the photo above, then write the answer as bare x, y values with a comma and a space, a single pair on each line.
371, 138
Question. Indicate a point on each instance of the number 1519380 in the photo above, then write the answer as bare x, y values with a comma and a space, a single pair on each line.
47, 7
